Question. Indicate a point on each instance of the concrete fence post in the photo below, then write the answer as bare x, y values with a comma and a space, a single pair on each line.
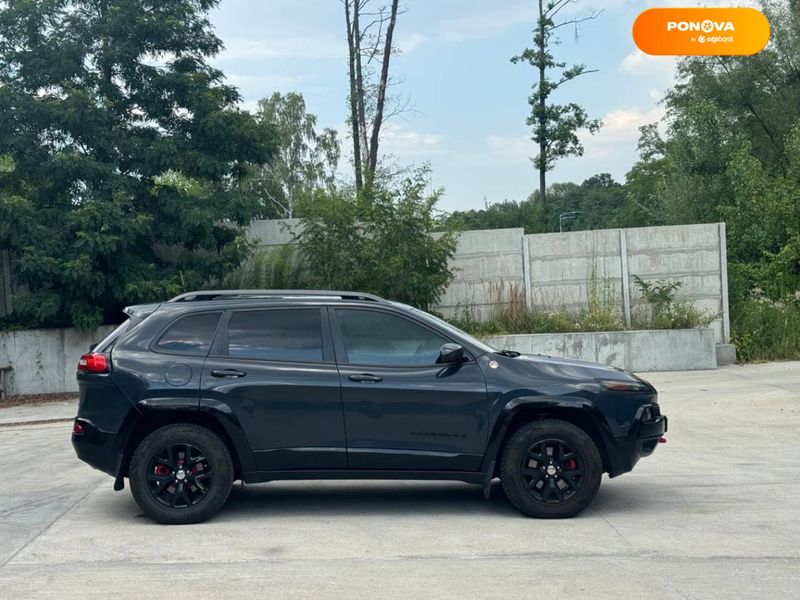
526, 272
6, 290
626, 283
723, 282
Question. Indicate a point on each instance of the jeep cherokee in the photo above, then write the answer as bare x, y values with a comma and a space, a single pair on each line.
189, 395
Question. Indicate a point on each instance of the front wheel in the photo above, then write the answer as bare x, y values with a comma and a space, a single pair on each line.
181, 474
550, 469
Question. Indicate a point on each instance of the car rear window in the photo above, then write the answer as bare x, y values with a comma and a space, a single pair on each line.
287, 335
191, 334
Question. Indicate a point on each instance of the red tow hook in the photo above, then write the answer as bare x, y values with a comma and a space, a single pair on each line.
662, 440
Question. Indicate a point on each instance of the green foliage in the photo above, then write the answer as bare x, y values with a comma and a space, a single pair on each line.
595, 203
379, 242
663, 309
555, 126
276, 268
732, 153
511, 315
121, 145
306, 159
764, 329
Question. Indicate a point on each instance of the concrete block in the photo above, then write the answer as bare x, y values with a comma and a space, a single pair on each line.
726, 354
639, 351
44, 361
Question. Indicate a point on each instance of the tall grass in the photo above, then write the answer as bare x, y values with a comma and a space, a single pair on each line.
510, 313
763, 329
274, 268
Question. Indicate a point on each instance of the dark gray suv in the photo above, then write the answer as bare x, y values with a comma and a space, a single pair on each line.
189, 395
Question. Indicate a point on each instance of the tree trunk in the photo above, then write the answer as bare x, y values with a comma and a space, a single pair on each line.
362, 113
542, 115
354, 119
372, 163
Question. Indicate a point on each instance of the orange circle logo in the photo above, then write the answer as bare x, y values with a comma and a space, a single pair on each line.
701, 31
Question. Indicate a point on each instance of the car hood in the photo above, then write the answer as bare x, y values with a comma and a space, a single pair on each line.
566, 368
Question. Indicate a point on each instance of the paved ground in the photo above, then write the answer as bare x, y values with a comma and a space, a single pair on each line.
713, 514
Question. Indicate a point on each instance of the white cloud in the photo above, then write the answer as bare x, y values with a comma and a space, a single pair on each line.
409, 42
408, 143
268, 82
619, 134
487, 23
660, 67
250, 106
282, 46
510, 150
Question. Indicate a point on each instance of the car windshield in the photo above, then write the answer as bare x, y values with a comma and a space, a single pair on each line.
447, 327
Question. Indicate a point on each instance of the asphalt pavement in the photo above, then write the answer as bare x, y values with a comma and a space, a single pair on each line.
714, 513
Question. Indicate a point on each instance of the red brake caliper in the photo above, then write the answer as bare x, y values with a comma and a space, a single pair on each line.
571, 464
162, 470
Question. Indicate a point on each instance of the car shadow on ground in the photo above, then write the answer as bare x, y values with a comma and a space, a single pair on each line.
387, 498
364, 498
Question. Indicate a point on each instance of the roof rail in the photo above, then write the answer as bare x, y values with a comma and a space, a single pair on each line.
251, 294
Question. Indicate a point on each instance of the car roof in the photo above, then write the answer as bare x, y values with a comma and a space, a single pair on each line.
298, 295
224, 299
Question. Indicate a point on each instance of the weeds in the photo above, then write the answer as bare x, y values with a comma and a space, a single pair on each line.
662, 309
764, 329
275, 268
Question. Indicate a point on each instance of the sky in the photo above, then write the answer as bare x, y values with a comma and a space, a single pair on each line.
469, 101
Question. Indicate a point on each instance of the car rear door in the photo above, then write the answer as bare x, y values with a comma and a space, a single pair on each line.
275, 369
401, 409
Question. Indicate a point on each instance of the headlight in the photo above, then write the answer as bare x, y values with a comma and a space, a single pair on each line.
625, 386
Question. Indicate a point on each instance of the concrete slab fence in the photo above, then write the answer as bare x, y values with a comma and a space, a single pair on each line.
552, 270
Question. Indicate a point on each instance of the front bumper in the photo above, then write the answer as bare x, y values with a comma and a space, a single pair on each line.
641, 440
97, 448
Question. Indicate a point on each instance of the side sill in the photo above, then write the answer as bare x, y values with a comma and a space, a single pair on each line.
264, 476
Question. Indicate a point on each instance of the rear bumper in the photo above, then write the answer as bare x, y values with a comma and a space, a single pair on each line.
97, 448
641, 441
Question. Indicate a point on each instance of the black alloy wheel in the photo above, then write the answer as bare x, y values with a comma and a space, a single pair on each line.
180, 475
552, 471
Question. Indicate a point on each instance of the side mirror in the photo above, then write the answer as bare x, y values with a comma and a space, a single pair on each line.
451, 354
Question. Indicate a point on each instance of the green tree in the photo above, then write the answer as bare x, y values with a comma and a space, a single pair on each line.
381, 244
555, 126
305, 159
124, 144
594, 204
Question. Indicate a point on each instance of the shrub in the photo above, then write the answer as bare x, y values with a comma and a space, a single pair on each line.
764, 329
379, 242
276, 268
663, 309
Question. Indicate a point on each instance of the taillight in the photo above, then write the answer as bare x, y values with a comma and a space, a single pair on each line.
77, 428
93, 362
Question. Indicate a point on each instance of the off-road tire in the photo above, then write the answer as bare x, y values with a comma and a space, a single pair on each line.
206, 441
515, 457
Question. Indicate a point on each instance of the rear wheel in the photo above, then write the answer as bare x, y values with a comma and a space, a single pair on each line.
181, 474
551, 469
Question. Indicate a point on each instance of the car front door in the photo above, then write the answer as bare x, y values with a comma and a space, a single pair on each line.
402, 410
275, 369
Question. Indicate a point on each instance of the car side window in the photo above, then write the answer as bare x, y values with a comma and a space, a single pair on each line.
192, 334
290, 335
378, 338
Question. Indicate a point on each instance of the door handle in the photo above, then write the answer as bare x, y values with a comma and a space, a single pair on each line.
365, 378
228, 373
